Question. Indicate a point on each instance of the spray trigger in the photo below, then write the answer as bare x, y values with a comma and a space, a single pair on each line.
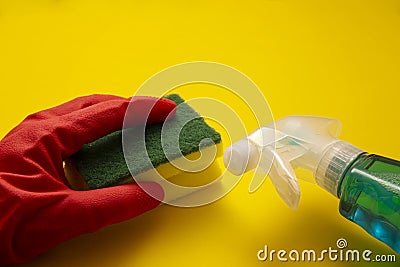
297, 141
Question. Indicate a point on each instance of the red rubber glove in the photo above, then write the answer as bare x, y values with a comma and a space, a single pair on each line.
37, 209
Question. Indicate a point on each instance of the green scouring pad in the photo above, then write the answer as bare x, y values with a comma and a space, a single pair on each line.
102, 163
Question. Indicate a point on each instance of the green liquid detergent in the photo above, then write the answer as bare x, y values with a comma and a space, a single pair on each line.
370, 196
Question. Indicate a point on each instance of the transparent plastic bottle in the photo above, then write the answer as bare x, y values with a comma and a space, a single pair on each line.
367, 185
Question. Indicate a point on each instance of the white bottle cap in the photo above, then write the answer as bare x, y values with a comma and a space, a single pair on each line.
241, 157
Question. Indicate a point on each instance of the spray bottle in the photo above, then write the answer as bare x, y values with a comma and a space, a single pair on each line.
367, 185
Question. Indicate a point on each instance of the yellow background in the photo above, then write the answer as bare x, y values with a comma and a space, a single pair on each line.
337, 59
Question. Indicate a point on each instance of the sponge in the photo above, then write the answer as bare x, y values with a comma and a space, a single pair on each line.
102, 163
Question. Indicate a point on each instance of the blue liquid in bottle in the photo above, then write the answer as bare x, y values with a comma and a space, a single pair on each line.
370, 196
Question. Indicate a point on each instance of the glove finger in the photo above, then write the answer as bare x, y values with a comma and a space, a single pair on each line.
101, 207
73, 105
74, 130
65, 108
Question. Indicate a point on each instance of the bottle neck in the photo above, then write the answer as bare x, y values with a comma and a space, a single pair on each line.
335, 161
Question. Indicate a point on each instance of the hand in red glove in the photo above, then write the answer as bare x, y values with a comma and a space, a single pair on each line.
37, 210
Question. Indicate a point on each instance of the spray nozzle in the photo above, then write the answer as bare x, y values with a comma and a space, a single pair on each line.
279, 148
